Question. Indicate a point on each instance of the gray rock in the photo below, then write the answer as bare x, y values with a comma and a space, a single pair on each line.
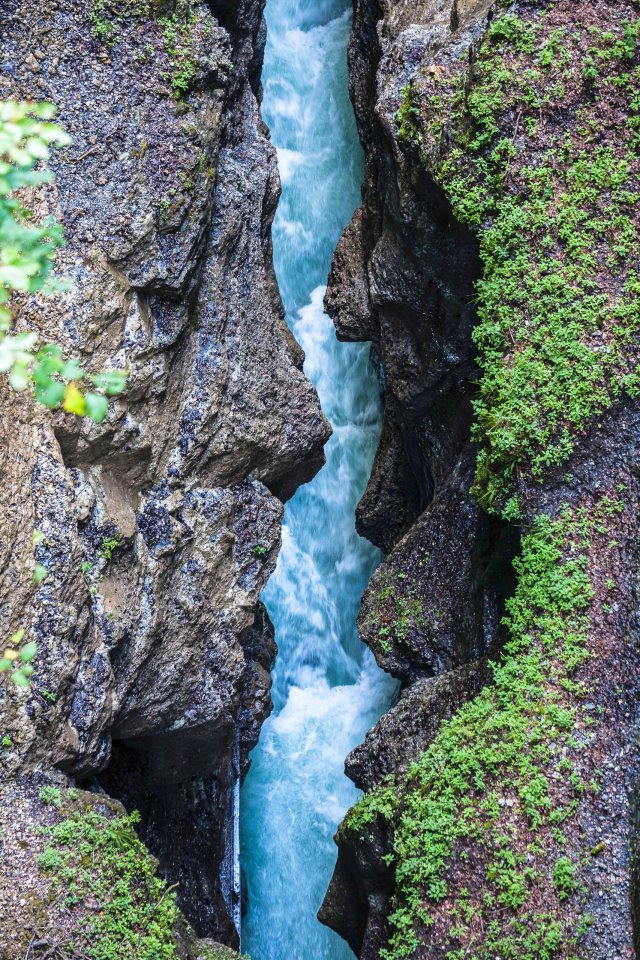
167, 204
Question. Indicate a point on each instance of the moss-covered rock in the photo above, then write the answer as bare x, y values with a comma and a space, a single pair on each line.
510, 835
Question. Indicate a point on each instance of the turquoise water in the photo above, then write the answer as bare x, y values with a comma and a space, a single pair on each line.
327, 689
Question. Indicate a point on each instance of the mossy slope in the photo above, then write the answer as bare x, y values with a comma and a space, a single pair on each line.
533, 136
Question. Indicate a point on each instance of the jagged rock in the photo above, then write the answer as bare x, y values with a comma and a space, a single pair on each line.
436, 600
406, 730
162, 525
404, 276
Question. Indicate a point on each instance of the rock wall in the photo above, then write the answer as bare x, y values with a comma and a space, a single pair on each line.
500, 498
160, 527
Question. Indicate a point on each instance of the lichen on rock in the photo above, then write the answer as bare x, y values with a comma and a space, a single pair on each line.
160, 527
500, 154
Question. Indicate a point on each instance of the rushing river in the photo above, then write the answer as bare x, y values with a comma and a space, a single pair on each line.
327, 689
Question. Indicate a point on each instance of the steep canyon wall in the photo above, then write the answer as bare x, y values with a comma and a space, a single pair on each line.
499, 817
160, 527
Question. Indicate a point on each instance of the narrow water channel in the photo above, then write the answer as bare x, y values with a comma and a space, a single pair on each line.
327, 689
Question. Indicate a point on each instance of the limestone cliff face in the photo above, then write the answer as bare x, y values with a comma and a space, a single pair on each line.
161, 526
427, 866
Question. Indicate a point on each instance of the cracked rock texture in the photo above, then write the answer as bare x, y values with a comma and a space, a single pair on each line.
404, 276
161, 526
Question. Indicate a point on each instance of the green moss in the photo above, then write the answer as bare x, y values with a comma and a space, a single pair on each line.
497, 753
110, 20
564, 877
178, 31
220, 953
397, 612
381, 802
51, 796
558, 302
119, 908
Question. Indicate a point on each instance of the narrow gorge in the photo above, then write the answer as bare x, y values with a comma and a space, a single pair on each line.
319, 456
327, 689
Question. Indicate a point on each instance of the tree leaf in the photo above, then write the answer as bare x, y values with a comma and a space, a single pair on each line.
40, 573
29, 651
96, 406
74, 402
52, 395
111, 381
19, 377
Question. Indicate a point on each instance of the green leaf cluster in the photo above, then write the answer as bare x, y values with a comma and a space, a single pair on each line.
16, 659
27, 254
120, 909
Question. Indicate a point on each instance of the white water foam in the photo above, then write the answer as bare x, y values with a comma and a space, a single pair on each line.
327, 688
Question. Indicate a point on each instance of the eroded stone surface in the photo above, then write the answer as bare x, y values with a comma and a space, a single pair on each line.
403, 275
167, 206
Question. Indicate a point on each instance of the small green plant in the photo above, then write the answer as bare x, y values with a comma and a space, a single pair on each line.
179, 40
27, 253
121, 909
564, 877
102, 28
52, 796
108, 546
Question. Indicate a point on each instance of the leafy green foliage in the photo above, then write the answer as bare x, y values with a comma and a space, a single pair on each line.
109, 20
51, 796
381, 802
108, 546
102, 26
121, 910
496, 754
564, 877
16, 659
179, 40
27, 253
534, 141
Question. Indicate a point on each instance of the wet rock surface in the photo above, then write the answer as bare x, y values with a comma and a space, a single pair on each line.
404, 276
162, 525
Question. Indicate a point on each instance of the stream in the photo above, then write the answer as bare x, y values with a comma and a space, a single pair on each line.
327, 689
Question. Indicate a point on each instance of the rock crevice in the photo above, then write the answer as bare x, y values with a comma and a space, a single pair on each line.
161, 526
449, 268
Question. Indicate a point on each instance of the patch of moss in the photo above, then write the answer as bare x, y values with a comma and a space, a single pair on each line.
110, 19
119, 908
381, 802
178, 31
536, 145
220, 953
486, 777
